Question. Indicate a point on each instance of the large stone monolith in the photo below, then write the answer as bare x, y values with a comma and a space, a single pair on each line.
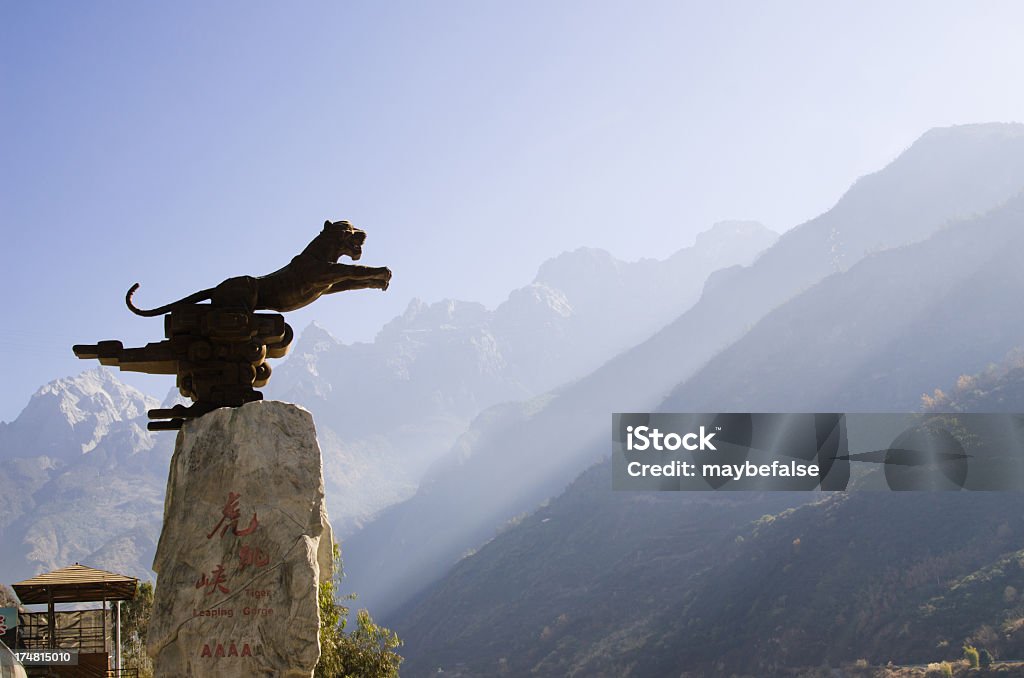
245, 543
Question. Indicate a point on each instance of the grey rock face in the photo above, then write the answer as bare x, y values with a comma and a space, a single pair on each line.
245, 544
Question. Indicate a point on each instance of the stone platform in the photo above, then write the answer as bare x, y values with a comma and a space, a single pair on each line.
245, 544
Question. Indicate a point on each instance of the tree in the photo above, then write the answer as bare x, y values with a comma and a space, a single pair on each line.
366, 652
135, 616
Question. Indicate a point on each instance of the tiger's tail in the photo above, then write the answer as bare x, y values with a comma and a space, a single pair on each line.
201, 295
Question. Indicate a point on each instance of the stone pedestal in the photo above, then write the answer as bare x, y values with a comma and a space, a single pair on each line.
245, 543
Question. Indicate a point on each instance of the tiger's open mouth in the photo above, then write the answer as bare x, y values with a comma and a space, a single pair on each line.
356, 245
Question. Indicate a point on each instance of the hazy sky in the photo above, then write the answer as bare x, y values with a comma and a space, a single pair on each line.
179, 144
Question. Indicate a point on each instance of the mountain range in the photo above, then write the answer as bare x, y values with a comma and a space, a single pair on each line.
82, 479
516, 455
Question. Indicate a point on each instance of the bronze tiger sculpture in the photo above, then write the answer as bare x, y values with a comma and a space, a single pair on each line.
309, 275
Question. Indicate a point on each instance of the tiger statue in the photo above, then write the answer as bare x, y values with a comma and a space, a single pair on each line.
309, 275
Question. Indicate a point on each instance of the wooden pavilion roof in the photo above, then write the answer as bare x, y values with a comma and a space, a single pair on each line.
75, 584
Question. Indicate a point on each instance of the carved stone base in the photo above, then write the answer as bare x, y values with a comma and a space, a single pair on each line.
245, 543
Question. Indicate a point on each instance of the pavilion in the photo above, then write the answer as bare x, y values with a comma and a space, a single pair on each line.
87, 630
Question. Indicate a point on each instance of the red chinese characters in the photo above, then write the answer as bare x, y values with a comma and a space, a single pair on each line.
214, 582
254, 556
229, 519
248, 555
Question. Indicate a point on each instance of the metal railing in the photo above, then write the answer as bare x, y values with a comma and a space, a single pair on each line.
85, 634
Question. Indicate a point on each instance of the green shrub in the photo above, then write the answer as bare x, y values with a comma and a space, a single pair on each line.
984, 659
367, 652
971, 655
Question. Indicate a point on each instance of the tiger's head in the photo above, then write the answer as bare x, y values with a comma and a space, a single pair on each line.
338, 239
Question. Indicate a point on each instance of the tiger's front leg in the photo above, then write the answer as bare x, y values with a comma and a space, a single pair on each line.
343, 277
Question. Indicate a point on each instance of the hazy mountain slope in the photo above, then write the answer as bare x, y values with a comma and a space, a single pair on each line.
96, 494
514, 457
385, 410
901, 576
603, 583
613, 305
879, 335
571, 580
834, 582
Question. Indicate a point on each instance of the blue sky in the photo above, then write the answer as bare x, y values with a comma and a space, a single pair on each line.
179, 144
